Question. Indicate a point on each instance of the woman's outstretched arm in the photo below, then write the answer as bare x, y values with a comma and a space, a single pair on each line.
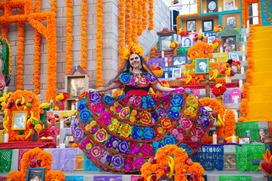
114, 85
158, 87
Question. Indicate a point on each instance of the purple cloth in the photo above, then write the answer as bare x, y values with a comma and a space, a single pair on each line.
64, 159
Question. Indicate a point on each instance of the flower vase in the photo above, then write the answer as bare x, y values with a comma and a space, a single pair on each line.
228, 79
175, 51
34, 136
61, 105
220, 98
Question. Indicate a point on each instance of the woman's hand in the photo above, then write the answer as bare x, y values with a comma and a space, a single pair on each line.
91, 90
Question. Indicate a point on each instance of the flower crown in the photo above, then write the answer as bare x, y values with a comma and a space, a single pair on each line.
199, 37
133, 49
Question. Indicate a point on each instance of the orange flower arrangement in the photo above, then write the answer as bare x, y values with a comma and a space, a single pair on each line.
230, 123
122, 32
25, 97
128, 22
84, 38
145, 14
182, 16
173, 45
140, 15
69, 41
37, 48
164, 164
46, 161
152, 53
200, 50
99, 41
151, 15
215, 106
182, 32
134, 21
20, 54
156, 70
4, 31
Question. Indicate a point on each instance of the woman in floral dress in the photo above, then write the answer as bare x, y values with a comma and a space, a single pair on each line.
122, 133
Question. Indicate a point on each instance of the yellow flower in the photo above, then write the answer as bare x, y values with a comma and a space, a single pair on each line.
192, 101
88, 127
38, 127
125, 130
190, 112
93, 123
89, 146
117, 126
160, 130
134, 112
115, 121
111, 127
132, 119
112, 108
116, 104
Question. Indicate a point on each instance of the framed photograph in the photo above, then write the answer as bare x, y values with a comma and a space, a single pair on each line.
19, 120
207, 25
234, 56
229, 43
231, 21
202, 65
75, 84
211, 39
179, 60
191, 25
187, 42
73, 118
35, 174
244, 140
212, 6
165, 41
167, 71
229, 5
176, 72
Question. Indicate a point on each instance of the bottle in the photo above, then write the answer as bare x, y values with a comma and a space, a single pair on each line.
214, 138
233, 139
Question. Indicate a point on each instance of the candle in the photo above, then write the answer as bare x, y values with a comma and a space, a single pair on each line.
73, 107
240, 83
5, 138
62, 145
233, 139
61, 124
244, 58
214, 138
162, 54
243, 47
221, 49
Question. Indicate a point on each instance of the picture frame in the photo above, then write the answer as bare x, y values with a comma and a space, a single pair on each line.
176, 72
75, 84
165, 41
210, 39
73, 118
191, 25
167, 71
187, 42
35, 173
19, 119
244, 140
211, 6
234, 56
207, 25
231, 21
202, 65
229, 5
179, 60
229, 43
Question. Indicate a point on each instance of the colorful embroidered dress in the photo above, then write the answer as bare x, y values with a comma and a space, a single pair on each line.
122, 133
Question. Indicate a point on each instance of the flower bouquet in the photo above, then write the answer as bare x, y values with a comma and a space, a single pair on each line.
174, 46
60, 98
218, 91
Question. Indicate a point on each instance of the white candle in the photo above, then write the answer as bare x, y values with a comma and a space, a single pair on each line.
62, 145
61, 124
221, 49
233, 139
214, 138
204, 11
73, 107
240, 83
5, 137
220, 9
162, 54
243, 47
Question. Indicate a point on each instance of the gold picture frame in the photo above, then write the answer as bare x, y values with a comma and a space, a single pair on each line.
19, 120
75, 84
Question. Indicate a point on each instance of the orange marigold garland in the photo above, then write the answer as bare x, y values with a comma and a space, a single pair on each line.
37, 48
181, 164
69, 41
128, 22
134, 21
4, 31
20, 55
99, 42
122, 31
152, 53
140, 16
45, 162
230, 123
151, 15
84, 38
145, 14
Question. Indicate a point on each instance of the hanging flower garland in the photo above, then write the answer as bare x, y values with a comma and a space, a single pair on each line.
230, 123
9, 56
128, 22
4, 31
145, 14
84, 38
152, 53
37, 48
99, 41
122, 31
20, 55
151, 15
134, 21
140, 16
69, 41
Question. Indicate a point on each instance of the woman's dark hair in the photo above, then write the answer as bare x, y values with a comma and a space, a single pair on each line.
127, 66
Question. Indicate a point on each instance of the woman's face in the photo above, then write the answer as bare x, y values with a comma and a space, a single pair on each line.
202, 66
134, 60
